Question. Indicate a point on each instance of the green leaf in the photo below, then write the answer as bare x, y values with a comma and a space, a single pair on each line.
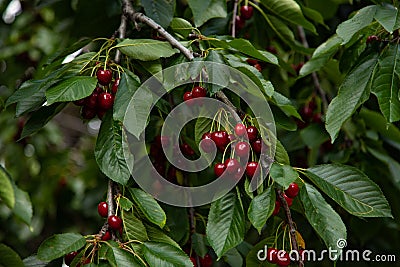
393, 165
226, 224
387, 16
123, 258
199, 244
290, 11
7, 194
23, 205
109, 151
69, 50
159, 236
165, 255
247, 48
149, 206
354, 91
57, 246
321, 55
33, 261
72, 89
9, 257
351, 189
40, 118
387, 81
146, 49
285, 104
133, 227
377, 122
284, 175
161, 11
281, 156
363, 17
313, 15
233, 258
325, 221
203, 125
314, 135
203, 10
261, 208
181, 26
126, 89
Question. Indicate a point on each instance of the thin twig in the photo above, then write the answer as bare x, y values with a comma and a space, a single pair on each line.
235, 7
289, 219
121, 35
314, 75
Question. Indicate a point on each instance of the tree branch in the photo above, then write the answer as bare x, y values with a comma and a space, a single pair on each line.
314, 75
235, 7
292, 229
121, 35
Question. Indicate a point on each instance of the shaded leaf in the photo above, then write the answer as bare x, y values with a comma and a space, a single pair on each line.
127, 87
325, 221
9, 257
387, 16
7, 194
145, 49
284, 175
204, 10
57, 246
109, 151
181, 26
261, 208
351, 189
247, 48
161, 11
165, 255
33, 261
23, 205
377, 122
281, 156
149, 206
226, 224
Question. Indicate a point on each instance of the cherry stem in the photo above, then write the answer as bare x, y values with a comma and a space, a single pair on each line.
317, 84
289, 219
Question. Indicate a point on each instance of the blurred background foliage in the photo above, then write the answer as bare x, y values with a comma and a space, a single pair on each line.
57, 167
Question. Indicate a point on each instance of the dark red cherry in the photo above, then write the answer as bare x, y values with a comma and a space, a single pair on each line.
288, 200
70, 257
258, 67
187, 150
246, 12
206, 143
219, 169
221, 139
106, 236
277, 208
102, 209
105, 100
88, 113
282, 258
91, 101
115, 85
242, 149
257, 146
232, 165
187, 97
292, 190
251, 168
240, 129
252, 133
272, 255
372, 38
104, 77
199, 91
80, 102
207, 261
193, 260
239, 23
114, 222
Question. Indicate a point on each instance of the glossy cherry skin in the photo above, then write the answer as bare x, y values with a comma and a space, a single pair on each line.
277, 208
102, 209
193, 260
252, 133
242, 149
88, 113
70, 257
283, 258
251, 61
292, 190
207, 144
240, 129
207, 261
246, 12
199, 91
251, 168
219, 169
91, 101
372, 38
221, 139
104, 77
114, 222
115, 85
105, 100
106, 236
257, 146
239, 22
187, 150
187, 97
272, 256
288, 200
232, 166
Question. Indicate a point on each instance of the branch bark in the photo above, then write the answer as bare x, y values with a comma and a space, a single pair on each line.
314, 75
235, 7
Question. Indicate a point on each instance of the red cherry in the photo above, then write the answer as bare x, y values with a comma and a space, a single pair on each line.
288, 200
251, 61
372, 38
206, 143
257, 145
221, 139
70, 257
88, 113
251, 168
80, 102
105, 100
239, 23
317, 118
246, 12
292, 190
115, 85
102, 209
207, 261
307, 112
162, 140
272, 256
91, 101
114, 222
106, 236
283, 258
100, 113
193, 260
187, 97
258, 67
232, 166
198, 91
239, 173
277, 208
242, 149
219, 169
104, 77
272, 49
240, 129
187, 150
252, 133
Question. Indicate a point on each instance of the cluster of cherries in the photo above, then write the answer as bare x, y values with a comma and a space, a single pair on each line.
309, 114
114, 223
102, 98
290, 193
189, 97
246, 13
242, 148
